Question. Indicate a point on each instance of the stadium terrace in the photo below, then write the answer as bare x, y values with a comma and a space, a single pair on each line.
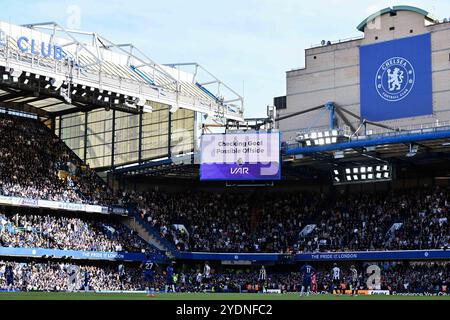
118, 174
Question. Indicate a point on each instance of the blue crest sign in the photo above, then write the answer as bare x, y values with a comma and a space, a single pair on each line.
396, 79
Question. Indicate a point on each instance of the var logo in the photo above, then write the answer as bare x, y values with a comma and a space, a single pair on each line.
235, 171
240, 169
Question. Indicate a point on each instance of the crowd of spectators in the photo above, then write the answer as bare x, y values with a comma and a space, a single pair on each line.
68, 233
36, 164
274, 221
48, 277
367, 222
395, 278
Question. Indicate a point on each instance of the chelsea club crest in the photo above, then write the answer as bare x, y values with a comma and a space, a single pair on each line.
395, 79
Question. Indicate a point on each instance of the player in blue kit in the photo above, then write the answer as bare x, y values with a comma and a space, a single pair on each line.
169, 278
9, 275
307, 272
87, 277
149, 266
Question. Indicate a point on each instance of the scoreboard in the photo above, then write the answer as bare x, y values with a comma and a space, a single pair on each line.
240, 156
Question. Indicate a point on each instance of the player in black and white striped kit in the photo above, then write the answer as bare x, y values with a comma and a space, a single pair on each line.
206, 276
336, 276
262, 278
354, 280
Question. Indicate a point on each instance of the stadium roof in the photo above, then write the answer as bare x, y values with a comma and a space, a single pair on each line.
395, 9
56, 71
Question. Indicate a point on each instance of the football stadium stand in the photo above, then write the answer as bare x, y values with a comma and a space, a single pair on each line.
273, 221
100, 149
51, 277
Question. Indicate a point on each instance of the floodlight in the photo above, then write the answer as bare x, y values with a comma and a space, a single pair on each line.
147, 109
15, 72
56, 83
141, 102
174, 108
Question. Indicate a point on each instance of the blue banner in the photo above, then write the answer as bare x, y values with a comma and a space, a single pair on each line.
375, 255
395, 78
252, 257
208, 256
76, 255
320, 256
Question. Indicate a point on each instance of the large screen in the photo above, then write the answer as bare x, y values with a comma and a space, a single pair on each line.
396, 79
241, 156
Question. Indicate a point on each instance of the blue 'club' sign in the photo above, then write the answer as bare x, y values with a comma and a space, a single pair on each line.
396, 79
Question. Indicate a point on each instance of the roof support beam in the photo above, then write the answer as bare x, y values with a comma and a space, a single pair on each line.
26, 108
345, 119
12, 96
405, 138
295, 114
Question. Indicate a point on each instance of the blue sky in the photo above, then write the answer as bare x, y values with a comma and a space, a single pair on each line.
249, 44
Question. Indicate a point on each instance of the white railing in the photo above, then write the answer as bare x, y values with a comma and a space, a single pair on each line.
327, 43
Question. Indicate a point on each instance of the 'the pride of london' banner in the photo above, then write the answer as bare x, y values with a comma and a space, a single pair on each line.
241, 156
396, 79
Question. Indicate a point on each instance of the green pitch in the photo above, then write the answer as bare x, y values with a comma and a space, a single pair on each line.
196, 296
